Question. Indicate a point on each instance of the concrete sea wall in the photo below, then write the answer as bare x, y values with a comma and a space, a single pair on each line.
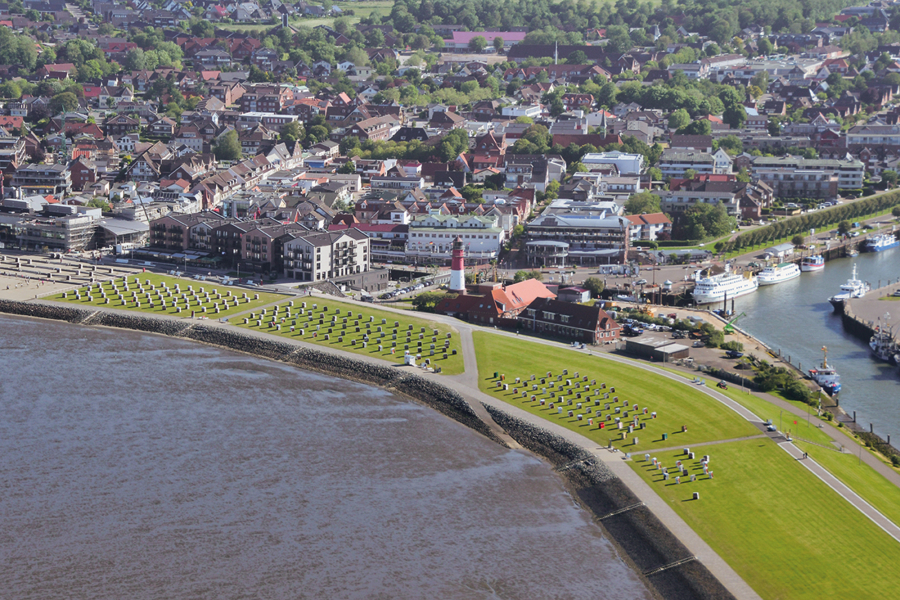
642, 539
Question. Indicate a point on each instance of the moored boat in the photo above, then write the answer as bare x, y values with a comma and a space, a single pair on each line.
812, 263
778, 274
883, 344
826, 376
881, 242
854, 288
716, 288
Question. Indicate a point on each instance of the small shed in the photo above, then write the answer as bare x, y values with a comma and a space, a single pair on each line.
656, 348
781, 250
574, 294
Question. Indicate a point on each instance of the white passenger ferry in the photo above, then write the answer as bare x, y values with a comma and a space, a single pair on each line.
717, 288
778, 274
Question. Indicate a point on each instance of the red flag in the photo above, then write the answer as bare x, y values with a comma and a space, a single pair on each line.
795, 422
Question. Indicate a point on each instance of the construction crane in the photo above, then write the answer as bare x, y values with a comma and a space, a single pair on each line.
728, 326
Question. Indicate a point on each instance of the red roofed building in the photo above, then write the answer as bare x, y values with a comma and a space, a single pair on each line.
56, 71
576, 322
7, 122
649, 227
499, 306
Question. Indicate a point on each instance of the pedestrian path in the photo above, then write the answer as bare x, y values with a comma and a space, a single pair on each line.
849, 495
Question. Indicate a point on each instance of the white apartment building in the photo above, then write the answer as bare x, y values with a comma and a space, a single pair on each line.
627, 164
431, 236
673, 162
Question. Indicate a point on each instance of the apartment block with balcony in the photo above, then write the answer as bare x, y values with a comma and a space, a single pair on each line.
180, 232
43, 180
326, 255
797, 177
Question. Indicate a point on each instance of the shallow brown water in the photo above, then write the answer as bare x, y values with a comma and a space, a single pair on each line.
137, 466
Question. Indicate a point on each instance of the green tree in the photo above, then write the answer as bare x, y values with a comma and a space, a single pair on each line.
765, 47
100, 203
10, 89
63, 102
228, 147
678, 119
594, 285
525, 275
732, 144
578, 57
844, 227
426, 301
704, 220
316, 134
498, 44
291, 132
700, 127
797, 240
889, 177
761, 80
454, 143
477, 44
643, 202
896, 212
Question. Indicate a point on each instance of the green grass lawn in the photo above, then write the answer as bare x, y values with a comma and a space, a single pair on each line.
861, 478
329, 314
781, 529
675, 404
218, 293
764, 409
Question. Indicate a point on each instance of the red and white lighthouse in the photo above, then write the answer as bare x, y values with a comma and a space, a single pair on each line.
457, 267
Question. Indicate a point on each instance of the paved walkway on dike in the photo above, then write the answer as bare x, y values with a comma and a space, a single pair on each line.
467, 385
834, 483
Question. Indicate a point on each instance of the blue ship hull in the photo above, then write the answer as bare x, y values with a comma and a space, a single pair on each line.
893, 244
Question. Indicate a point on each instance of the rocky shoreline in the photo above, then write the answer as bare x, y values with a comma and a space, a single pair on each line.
641, 538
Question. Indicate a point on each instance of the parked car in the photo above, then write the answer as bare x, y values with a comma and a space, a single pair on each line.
734, 354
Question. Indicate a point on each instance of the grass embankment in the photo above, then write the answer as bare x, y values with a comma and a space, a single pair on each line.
859, 477
777, 525
321, 318
170, 301
675, 405
764, 409
783, 530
